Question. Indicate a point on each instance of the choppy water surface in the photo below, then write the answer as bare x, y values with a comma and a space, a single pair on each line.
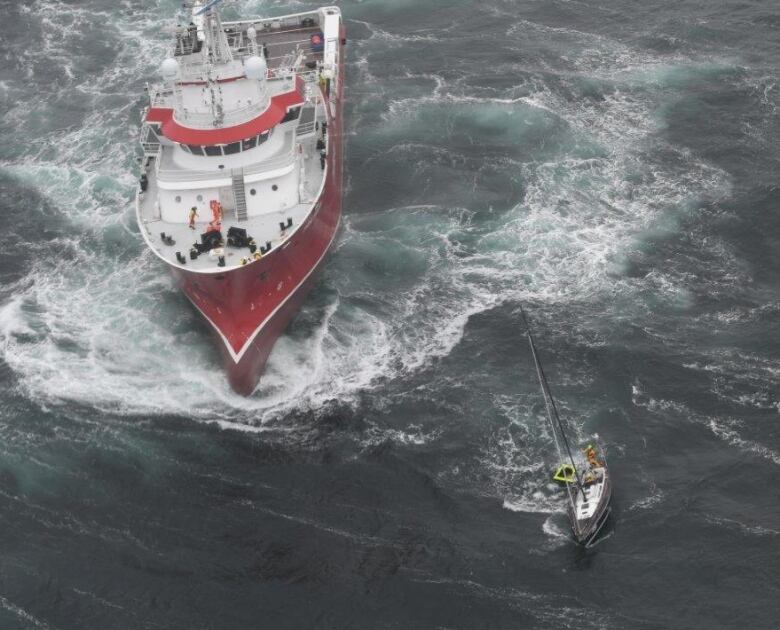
612, 166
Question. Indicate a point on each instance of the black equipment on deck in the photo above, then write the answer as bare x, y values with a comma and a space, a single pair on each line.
210, 240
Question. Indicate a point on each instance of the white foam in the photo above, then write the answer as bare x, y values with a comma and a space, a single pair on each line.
105, 329
755, 530
22, 614
554, 532
727, 430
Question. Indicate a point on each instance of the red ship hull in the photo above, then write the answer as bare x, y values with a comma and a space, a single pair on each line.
249, 307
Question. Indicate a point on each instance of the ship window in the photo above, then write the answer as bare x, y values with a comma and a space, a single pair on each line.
178, 199
199, 197
292, 114
262, 137
185, 148
252, 191
214, 150
249, 143
233, 147
274, 187
195, 149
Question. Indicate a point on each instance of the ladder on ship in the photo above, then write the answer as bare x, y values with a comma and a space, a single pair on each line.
239, 196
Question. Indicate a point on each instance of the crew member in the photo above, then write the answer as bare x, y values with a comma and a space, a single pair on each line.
216, 211
193, 214
215, 225
590, 453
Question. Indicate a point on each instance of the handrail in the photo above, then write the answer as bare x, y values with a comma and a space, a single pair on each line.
205, 120
279, 161
185, 175
305, 128
165, 98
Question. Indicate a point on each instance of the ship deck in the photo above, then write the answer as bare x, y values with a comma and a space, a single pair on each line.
263, 228
282, 44
286, 44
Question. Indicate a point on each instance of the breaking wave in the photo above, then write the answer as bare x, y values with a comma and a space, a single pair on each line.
536, 191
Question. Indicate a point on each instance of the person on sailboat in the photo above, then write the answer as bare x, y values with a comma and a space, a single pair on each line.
590, 453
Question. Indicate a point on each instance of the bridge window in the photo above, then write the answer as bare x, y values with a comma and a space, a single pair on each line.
195, 149
292, 114
233, 147
214, 150
185, 148
249, 143
263, 137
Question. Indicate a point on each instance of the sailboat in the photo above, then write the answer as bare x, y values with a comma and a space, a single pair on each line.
586, 477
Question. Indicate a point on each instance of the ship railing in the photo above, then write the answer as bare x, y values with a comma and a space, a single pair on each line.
308, 76
305, 128
242, 52
207, 120
159, 96
180, 175
193, 72
287, 158
151, 149
275, 24
311, 84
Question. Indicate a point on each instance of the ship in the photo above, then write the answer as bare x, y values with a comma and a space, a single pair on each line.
240, 190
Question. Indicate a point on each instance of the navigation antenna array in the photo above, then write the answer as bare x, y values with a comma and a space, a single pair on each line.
216, 51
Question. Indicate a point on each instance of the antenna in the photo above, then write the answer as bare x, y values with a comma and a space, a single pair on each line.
207, 7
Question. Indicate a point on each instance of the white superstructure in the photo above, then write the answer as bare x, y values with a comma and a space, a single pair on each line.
238, 119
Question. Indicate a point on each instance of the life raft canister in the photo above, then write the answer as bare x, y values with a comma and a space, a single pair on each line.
317, 42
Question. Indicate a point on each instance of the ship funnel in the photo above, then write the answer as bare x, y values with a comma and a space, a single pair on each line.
169, 69
256, 68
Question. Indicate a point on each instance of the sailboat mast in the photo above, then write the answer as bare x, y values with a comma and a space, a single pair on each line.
549, 402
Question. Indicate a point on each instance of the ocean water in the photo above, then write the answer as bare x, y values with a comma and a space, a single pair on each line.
611, 166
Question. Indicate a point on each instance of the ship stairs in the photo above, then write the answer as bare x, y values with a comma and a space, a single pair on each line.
239, 194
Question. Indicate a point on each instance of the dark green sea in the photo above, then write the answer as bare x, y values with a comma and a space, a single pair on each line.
612, 166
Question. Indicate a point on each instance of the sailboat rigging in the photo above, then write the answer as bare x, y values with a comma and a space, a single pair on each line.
589, 492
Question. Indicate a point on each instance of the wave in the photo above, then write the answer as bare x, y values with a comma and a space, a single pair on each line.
403, 281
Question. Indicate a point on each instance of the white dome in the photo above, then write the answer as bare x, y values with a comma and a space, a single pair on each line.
170, 69
251, 33
255, 68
